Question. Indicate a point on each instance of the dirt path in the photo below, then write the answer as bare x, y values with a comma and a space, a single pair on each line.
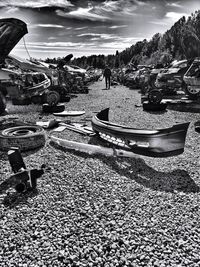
97, 211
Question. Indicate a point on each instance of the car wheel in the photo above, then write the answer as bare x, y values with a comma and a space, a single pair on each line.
24, 137
192, 92
53, 109
155, 96
154, 107
52, 98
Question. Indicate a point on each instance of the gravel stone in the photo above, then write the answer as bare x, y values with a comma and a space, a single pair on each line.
97, 211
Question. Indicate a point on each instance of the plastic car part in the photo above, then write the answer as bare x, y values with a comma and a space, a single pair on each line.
197, 126
153, 143
2, 103
48, 124
15, 159
46, 108
79, 128
70, 113
24, 137
154, 107
22, 179
155, 96
92, 149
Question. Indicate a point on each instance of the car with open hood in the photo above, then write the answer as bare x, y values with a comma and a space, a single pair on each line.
19, 81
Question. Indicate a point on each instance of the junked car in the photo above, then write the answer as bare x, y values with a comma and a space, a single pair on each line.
22, 87
192, 80
171, 79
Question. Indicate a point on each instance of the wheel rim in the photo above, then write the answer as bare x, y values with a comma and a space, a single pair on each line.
155, 96
52, 98
19, 131
193, 91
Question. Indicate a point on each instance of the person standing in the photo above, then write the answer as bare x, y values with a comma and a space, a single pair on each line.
107, 74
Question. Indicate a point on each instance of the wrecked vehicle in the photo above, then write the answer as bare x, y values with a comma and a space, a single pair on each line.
52, 71
130, 77
92, 75
158, 68
171, 79
192, 80
22, 87
152, 143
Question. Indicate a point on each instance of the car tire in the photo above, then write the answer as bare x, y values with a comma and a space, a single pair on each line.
52, 98
155, 96
53, 109
2, 103
24, 137
192, 94
154, 107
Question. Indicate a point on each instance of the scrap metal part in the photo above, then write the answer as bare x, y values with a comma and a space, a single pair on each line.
22, 179
153, 143
91, 149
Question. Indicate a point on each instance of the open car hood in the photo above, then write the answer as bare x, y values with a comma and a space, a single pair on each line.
11, 31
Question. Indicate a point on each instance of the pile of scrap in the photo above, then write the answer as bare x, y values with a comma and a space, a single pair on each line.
92, 75
134, 77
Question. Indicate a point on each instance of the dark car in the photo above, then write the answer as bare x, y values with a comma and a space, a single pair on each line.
171, 79
192, 80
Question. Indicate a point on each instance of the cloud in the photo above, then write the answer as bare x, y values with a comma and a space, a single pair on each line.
46, 26
52, 38
83, 14
174, 16
174, 5
10, 10
105, 36
104, 11
80, 28
55, 45
118, 26
36, 4
159, 22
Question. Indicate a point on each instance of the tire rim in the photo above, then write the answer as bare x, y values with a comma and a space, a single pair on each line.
193, 91
155, 97
52, 98
19, 131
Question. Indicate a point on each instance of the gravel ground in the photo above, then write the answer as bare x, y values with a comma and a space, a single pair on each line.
97, 211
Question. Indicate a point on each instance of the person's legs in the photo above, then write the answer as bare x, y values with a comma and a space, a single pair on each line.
108, 82
106, 78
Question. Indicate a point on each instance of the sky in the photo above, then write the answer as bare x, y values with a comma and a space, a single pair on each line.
57, 28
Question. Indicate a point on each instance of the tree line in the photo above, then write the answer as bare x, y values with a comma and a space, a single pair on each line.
181, 41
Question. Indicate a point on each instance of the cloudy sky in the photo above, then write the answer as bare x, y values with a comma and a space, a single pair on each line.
59, 27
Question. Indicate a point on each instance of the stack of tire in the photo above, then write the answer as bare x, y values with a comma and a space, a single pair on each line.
154, 101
